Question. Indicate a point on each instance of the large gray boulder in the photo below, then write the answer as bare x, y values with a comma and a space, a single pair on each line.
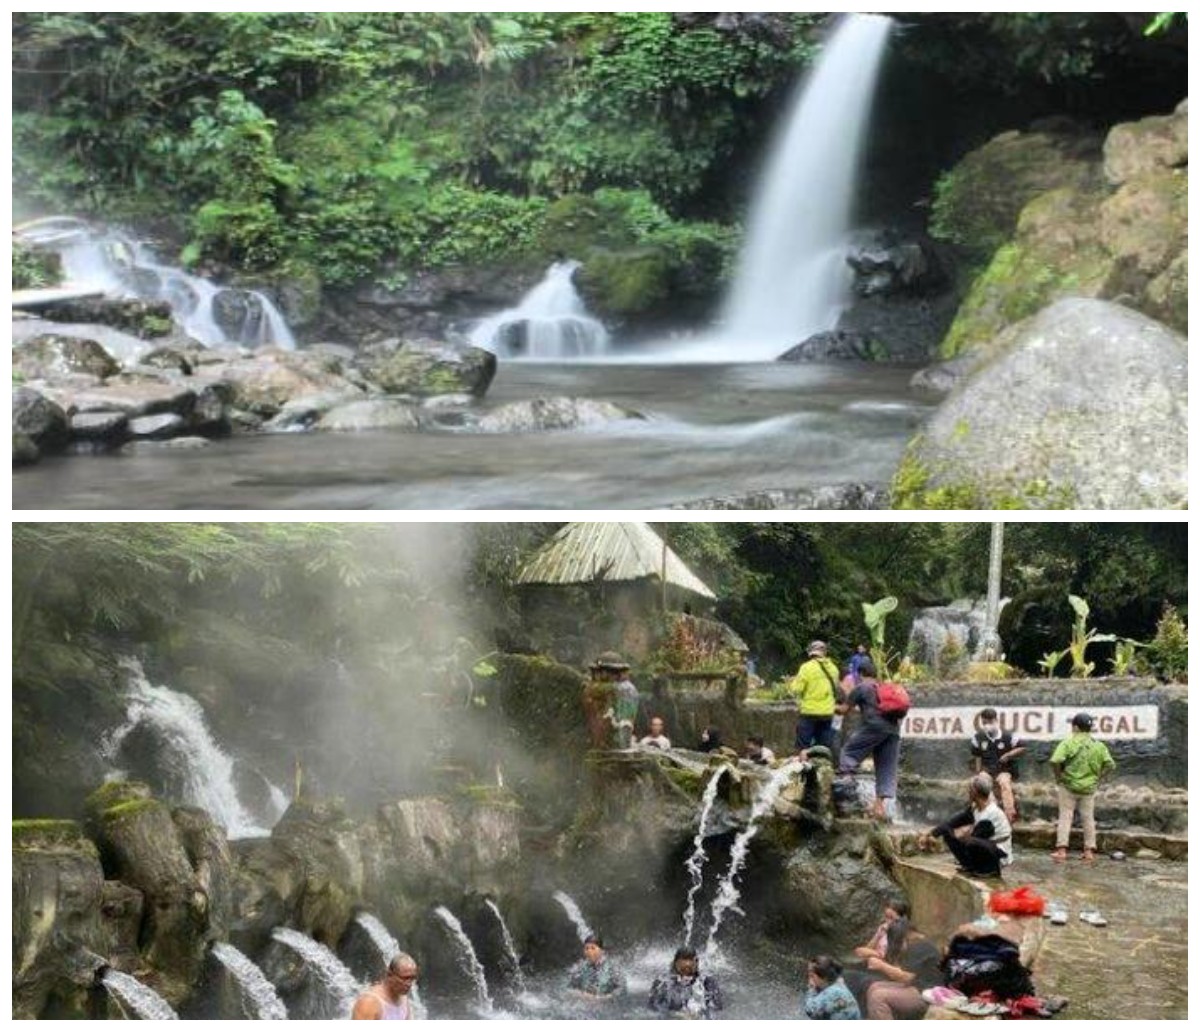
1084, 405
552, 414
428, 367
370, 414
53, 356
39, 419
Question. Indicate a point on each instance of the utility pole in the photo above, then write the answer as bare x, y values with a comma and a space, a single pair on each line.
990, 646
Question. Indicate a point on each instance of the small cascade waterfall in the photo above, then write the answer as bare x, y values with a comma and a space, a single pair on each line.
279, 800
549, 322
335, 978
467, 958
145, 1003
574, 913
728, 893
257, 991
510, 948
695, 863
106, 260
792, 280
204, 770
387, 946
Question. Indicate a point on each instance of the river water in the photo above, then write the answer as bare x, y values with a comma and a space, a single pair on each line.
712, 431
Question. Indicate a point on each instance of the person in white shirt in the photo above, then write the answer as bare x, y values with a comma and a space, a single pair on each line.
980, 837
758, 753
656, 739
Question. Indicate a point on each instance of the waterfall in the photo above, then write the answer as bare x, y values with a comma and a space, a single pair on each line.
141, 999
108, 261
728, 893
510, 948
202, 768
387, 947
792, 279
548, 322
253, 983
574, 913
467, 959
333, 975
695, 862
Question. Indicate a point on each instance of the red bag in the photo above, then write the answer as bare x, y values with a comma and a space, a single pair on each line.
894, 702
1022, 901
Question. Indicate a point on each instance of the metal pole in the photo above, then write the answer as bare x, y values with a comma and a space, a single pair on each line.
990, 646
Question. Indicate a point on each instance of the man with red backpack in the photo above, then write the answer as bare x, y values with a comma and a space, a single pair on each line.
883, 706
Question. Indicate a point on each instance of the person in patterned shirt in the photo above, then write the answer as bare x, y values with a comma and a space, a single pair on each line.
596, 977
828, 998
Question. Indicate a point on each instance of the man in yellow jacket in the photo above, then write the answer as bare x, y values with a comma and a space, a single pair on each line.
816, 689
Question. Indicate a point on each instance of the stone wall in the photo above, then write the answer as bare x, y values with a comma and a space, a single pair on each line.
1158, 760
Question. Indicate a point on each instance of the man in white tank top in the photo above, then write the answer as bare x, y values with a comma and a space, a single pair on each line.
389, 1000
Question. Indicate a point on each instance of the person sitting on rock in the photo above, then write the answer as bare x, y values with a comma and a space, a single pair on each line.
828, 998
685, 993
980, 836
388, 1000
758, 753
891, 986
657, 738
595, 977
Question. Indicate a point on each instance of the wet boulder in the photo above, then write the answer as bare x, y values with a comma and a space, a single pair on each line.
541, 414
240, 315
24, 451
262, 383
942, 377
369, 414
1133, 149
144, 319
58, 886
209, 854
99, 426
305, 412
134, 396
423, 367
39, 420
268, 881
890, 265
1084, 405
53, 356
834, 346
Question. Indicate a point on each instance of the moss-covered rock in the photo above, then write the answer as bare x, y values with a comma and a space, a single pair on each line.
144, 319
978, 202
1086, 405
51, 835
54, 356
426, 367
1150, 145
621, 285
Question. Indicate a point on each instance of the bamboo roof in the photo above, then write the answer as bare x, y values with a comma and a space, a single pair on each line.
583, 553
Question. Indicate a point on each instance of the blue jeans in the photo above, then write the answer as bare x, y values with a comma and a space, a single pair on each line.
812, 731
883, 746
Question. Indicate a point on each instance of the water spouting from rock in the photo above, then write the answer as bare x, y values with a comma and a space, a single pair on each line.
141, 999
105, 260
467, 958
695, 863
189, 751
387, 947
335, 978
791, 279
510, 948
259, 993
574, 913
550, 322
728, 892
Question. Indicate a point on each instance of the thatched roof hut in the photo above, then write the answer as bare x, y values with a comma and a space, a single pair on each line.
609, 553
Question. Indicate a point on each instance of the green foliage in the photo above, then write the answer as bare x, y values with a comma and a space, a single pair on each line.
1164, 23
32, 269
1125, 655
1051, 660
1167, 651
875, 616
1081, 637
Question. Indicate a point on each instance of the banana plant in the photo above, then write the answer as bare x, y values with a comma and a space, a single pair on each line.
875, 616
1081, 637
1049, 662
1125, 654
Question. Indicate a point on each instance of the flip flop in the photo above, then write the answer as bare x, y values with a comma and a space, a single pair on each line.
1056, 913
1093, 917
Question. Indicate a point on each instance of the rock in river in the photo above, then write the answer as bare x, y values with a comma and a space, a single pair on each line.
1083, 405
552, 414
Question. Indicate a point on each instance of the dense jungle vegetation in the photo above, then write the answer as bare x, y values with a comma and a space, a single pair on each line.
349, 146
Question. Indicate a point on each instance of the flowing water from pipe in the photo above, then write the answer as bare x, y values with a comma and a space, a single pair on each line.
574, 913
550, 322
141, 999
258, 992
387, 947
335, 978
510, 948
467, 959
695, 863
205, 771
728, 892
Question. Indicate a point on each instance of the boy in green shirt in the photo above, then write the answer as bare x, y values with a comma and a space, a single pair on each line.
1079, 764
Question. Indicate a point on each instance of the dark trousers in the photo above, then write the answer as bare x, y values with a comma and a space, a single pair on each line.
975, 855
812, 731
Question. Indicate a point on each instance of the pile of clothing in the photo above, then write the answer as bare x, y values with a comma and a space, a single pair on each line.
984, 976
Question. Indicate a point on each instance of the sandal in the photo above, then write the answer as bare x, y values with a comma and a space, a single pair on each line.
1056, 913
1059, 856
1093, 917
